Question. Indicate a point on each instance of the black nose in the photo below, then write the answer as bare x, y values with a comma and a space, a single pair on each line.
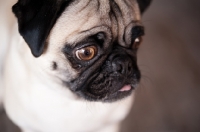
122, 64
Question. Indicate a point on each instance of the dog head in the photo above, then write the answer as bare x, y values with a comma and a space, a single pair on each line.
89, 45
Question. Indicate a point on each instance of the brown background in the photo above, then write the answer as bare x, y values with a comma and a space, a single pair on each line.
168, 99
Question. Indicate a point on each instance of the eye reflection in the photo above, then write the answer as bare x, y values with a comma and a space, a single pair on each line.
137, 42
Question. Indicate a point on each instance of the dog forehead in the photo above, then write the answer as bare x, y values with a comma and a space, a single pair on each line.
84, 15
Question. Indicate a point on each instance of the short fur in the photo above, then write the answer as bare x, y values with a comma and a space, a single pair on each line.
47, 88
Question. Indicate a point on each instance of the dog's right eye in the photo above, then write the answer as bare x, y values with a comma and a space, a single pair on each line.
86, 53
137, 33
137, 42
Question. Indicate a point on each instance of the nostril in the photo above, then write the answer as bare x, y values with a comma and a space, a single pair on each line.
129, 67
122, 65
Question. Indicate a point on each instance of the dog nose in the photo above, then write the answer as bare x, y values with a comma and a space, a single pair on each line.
122, 65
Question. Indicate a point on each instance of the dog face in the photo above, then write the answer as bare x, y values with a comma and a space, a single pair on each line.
89, 45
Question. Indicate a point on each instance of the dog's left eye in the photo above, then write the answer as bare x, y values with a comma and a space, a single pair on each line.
86, 53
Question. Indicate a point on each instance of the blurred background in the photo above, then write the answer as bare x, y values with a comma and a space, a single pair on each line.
168, 98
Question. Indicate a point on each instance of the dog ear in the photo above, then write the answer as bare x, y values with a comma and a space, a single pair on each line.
36, 19
143, 4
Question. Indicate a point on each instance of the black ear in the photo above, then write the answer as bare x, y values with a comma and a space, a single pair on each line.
143, 4
36, 19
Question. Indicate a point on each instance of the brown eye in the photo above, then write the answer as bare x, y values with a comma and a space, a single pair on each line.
137, 42
86, 53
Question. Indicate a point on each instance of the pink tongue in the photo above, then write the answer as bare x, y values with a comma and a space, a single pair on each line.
125, 88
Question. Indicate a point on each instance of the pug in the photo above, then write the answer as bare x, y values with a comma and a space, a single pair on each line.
72, 65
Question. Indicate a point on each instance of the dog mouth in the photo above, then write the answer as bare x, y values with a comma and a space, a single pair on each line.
109, 87
105, 95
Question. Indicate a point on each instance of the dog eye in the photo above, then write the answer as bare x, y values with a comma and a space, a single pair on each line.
137, 42
86, 53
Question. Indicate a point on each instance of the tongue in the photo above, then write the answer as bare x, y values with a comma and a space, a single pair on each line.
125, 88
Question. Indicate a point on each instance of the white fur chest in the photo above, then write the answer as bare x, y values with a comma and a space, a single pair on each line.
46, 110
